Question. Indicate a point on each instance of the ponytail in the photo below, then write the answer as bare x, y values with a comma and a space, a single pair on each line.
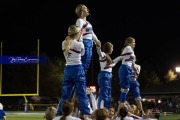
67, 44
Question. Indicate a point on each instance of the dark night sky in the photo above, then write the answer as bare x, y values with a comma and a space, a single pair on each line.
155, 26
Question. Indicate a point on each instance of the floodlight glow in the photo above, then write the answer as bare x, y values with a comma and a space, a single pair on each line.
93, 88
159, 101
177, 69
143, 99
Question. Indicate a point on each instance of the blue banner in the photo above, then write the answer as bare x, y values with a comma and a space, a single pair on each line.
23, 59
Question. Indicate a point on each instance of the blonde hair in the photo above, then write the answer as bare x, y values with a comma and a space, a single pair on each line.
106, 48
72, 32
78, 10
128, 41
50, 113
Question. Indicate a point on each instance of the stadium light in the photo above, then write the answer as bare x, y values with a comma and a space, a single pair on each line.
178, 69
159, 101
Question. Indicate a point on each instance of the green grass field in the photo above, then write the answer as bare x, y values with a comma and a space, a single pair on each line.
171, 117
40, 116
25, 116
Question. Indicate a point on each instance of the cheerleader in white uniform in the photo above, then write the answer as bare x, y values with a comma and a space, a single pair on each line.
74, 76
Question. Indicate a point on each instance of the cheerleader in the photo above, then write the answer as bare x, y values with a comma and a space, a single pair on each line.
105, 75
87, 34
74, 76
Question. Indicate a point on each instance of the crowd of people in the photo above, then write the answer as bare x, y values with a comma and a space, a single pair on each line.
128, 112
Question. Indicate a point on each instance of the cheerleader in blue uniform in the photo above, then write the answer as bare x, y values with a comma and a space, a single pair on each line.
74, 76
105, 75
87, 34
